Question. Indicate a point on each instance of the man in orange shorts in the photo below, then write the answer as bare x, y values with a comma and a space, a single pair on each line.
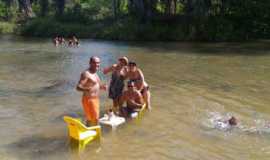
90, 85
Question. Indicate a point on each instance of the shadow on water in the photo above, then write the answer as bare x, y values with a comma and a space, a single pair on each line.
55, 88
259, 48
221, 86
34, 147
13, 38
75, 114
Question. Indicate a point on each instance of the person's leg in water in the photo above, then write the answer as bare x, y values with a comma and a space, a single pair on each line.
93, 122
146, 96
123, 112
116, 107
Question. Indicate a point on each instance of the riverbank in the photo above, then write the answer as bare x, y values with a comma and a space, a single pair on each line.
129, 29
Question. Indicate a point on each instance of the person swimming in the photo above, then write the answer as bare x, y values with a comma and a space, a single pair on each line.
227, 124
232, 121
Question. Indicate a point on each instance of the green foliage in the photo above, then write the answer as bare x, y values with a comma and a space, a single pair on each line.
208, 20
6, 27
3, 11
50, 27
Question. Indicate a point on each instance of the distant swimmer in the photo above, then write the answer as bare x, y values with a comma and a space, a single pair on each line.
232, 121
70, 43
56, 41
73, 41
59, 40
225, 124
90, 85
62, 40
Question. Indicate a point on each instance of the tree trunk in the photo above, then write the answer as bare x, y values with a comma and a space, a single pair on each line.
150, 9
44, 6
60, 6
137, 7
26, 7
116, 6
174, 6
168, 7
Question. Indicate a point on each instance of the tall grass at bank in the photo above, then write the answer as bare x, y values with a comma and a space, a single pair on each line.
7, 27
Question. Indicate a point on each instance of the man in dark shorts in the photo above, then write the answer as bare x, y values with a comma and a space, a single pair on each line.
133, 98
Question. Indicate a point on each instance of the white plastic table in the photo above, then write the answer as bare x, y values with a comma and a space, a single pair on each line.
113, 122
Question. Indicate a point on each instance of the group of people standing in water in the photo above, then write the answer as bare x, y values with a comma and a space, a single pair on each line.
135, 96
72, 42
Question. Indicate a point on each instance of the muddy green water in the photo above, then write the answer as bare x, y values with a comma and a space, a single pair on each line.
191, 84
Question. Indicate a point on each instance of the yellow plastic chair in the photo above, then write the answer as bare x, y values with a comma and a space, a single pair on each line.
79, 132
140, 113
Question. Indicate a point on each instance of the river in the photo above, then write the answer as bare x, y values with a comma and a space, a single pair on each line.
191, 85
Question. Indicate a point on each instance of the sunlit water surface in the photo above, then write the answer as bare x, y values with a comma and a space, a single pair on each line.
192, 84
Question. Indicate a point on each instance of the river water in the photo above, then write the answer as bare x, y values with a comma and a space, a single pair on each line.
192, 85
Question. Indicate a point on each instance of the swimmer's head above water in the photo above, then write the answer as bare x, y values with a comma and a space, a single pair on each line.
232, 121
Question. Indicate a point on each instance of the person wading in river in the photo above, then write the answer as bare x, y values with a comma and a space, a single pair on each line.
117, 81
133, 98
135, 74
90, 85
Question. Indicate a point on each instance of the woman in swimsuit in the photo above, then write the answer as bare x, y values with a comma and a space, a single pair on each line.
135, 74
119, 71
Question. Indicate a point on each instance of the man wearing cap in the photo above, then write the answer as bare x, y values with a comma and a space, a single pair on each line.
90, 85
119, 71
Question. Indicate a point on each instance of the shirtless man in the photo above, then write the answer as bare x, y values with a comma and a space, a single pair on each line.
133, 99
90, 85
135, 74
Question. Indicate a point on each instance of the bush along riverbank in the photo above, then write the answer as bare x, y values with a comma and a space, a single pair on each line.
213, 20
105, 29
133, 30
7, 28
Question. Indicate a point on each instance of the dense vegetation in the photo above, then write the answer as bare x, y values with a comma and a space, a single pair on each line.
213, 20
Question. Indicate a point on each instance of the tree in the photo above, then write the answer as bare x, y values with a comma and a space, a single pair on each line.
136, 7
116, 9
44, 6
60, 6
26, 8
